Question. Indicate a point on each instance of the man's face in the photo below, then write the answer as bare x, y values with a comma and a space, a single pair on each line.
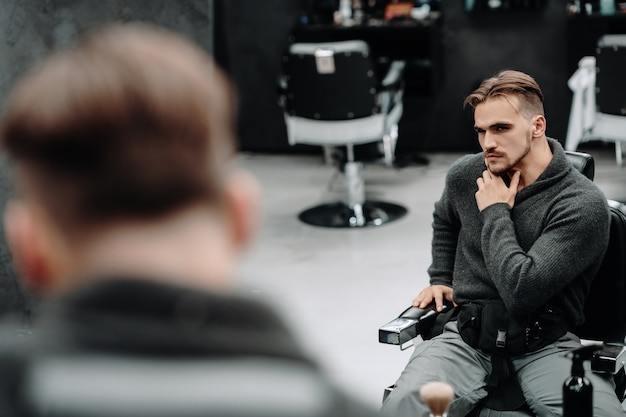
504, 133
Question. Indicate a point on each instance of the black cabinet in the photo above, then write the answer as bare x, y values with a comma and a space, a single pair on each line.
418, 42
583, 32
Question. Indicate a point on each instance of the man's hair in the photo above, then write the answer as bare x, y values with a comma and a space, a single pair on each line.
510, 83
133, 121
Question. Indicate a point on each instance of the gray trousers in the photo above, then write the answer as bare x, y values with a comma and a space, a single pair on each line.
541, 375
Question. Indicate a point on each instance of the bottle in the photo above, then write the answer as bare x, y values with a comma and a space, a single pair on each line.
577, 389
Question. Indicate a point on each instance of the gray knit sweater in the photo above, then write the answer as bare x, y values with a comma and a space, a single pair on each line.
544, 251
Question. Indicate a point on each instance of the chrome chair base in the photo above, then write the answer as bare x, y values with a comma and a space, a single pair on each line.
341, 215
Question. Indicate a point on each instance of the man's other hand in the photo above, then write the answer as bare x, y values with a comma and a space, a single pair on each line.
434, 292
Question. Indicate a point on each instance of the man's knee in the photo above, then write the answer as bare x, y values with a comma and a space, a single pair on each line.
605, 401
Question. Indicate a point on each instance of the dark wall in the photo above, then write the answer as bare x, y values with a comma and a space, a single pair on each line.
252, 36
255, 34
476, 47
32, 28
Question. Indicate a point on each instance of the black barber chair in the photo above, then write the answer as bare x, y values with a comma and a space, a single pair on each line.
605, 300
335, 95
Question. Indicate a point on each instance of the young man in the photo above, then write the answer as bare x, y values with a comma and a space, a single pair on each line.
129, 218
518, 235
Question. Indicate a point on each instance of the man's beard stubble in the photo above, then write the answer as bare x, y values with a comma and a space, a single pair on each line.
507, 168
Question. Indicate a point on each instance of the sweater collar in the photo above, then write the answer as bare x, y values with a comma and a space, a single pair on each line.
141, 317
556, 170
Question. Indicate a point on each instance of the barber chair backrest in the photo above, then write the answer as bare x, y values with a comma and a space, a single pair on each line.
330, 81
605, 311
605, 308
583, 162
106, 386
610, 70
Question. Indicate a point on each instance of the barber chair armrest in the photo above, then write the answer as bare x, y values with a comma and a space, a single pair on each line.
393, 78
610, 360
411, 323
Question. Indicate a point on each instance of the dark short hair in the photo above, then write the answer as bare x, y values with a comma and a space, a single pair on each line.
513, 83
132, 121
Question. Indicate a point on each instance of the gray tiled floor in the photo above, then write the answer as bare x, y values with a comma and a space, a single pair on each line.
337, 286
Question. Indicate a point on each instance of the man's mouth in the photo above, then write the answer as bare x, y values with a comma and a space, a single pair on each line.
493, 156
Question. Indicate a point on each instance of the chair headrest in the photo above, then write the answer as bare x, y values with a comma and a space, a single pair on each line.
356, 46
612, 40
583, 162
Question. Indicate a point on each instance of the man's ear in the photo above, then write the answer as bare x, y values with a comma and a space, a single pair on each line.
243, 205
26, 244
539, 126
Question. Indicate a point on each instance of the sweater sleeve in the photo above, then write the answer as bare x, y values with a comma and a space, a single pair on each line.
446, 228
573, 240
445, 238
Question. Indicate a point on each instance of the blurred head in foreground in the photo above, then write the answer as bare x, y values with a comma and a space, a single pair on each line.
128, 206
123, 147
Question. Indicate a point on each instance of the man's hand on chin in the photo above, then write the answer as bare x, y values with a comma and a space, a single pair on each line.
492, 189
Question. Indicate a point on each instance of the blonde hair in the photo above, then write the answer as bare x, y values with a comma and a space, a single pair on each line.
510, 83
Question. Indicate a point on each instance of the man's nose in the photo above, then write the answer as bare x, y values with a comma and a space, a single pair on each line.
489, 141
